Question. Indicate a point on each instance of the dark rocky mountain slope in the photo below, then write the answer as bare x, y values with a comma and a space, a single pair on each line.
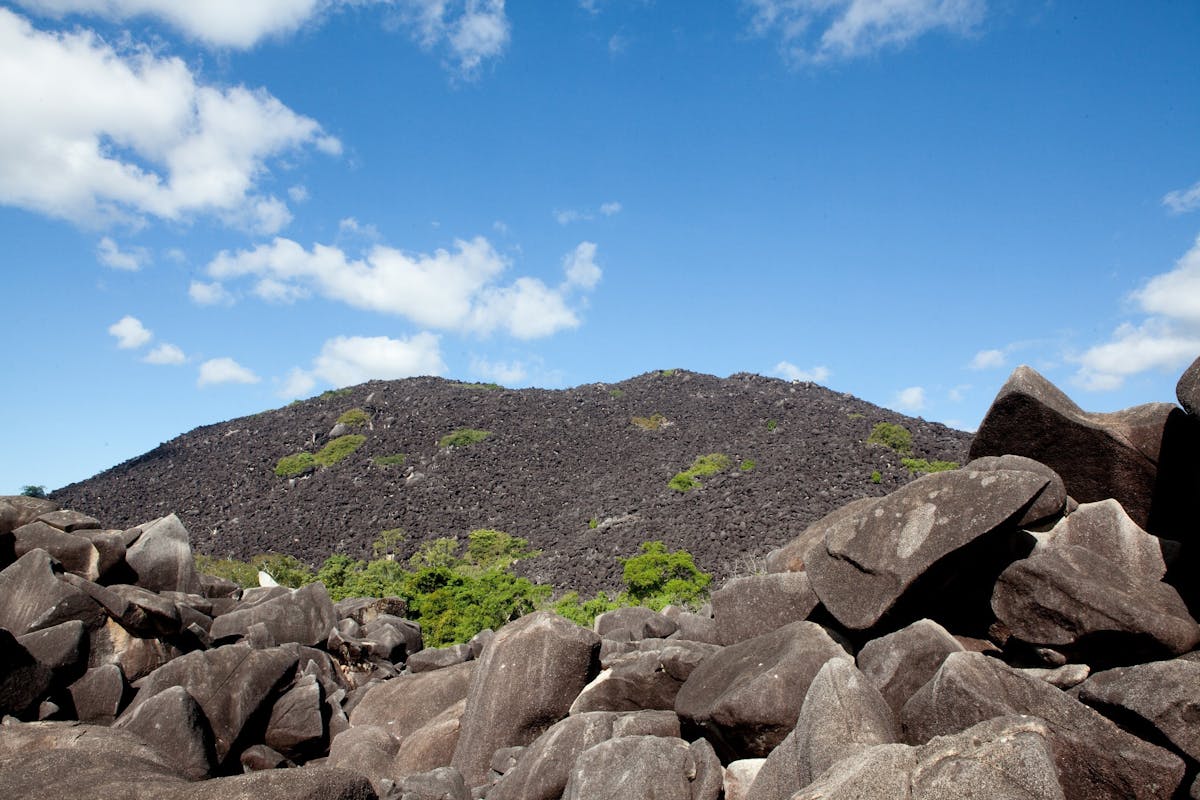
555, 461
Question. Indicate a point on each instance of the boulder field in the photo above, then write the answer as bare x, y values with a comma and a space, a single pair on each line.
1022, 627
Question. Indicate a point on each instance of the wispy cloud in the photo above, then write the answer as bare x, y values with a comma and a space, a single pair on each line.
819, 31
789, 371
566, 216
224, 370
209, 294
1181, 201
130, 333
506, 373
988, 359
165, 354
130, 260
1166, 339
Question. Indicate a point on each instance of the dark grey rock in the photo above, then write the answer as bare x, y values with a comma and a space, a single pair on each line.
756, 604
1048, 505
747, 696
960, 521
443, 783
100, 695
162, 557
35, 598
367, 749
75, 553
432, 745
1094, 757
842, 715
900, 663
438, 658
63, 648
258, 757
542, 771
296, 727
640, 623
24, 680
793, 556
173, 723
647, 723
1187, 391
525, 681
302, 615
405, 703
633, 768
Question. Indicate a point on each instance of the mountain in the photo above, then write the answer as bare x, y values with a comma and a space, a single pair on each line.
582, 473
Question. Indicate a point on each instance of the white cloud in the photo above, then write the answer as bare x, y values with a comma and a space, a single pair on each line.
348, 360
224, 370
92, 133
111, 255
274, 291
1182, 201
130, 333
506, 373
1168, 338
165, 354
298, 193
225, 23
987, 359
472, 31
580, 266
818, 31
609, 209
298, 383
209, 294
447, 290
790, 372
264, 216
910, 399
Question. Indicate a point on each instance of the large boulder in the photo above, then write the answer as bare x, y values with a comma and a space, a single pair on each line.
35, 598
233, 685
747, 696
100, 695
302, 615
1094, 757
297, 727
1187, 391
76, 553
1048, 505
633, 768
1093, 607
634, 622
173, 723
793, 556
366, 749
525, 681
755, 604
1008, 758
541, 772
405, 703
902, 662
430, 746
1160, 701
951, 531
1144, 456
162, 558
644, 679
842, 715
24, 680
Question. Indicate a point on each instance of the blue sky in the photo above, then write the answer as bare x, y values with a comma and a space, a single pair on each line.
211, 209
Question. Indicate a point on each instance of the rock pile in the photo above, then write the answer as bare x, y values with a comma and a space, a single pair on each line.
999, 631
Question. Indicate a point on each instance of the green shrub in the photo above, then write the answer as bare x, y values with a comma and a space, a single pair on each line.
463, 437
616, 393
295, 464
650, 423
889, 434
387, 541
476, 385
230, 569
336, 392
772, 425
395, 460
354, 418
710, 464
667, 373
338, 449
584, 612
34, 491
748, 465
656, 578
593, 523
876, 477
916, 465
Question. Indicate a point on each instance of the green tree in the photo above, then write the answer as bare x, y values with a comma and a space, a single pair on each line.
656, 577
34, 491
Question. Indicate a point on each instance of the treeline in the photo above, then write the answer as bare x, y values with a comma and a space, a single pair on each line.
456, 589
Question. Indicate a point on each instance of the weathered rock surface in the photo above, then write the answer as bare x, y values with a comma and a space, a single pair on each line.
959, 522
1094, 757
842, 715
1187, 391
902, 662
633, 768
173, 723
757, 604
35, 598
162, 557
1139, 456
302, 615
747, 696
542, 771
1160, 701
1009, 758
525, 681
405, 703
432, 745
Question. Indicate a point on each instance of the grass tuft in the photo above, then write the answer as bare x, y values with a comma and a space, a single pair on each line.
463, 437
